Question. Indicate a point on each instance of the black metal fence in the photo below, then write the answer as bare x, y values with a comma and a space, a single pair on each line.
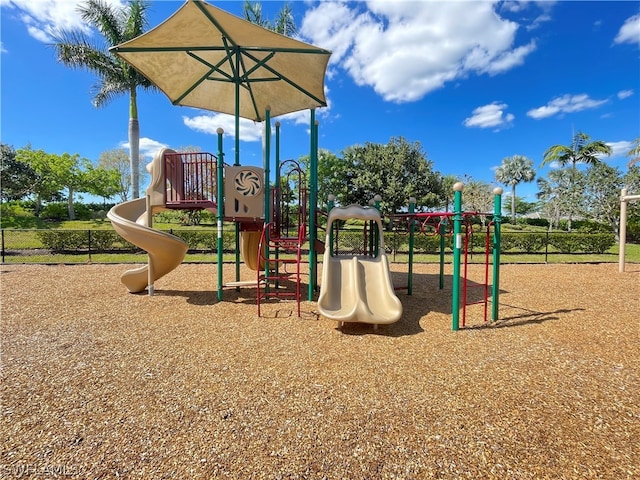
106, 246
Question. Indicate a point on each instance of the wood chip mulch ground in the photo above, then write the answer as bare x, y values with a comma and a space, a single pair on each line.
98, 383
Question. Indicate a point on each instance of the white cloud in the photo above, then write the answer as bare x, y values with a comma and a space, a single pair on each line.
622, 94
250, 131
404, 50
620, 149
45, 17
545, 17
488, 116
630, 31
148, 147
565, 104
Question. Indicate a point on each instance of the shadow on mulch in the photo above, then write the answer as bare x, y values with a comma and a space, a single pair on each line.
194, 297
527, 317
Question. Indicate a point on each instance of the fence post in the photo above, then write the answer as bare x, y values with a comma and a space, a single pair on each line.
546, 248
3, 245
89, 243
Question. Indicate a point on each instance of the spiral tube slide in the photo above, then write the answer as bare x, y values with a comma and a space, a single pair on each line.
165, 251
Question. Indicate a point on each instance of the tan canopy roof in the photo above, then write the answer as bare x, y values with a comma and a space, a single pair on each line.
204, 57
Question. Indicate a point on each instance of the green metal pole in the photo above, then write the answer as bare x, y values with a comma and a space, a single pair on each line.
237, 163
278, 173
497, 221
412, 209
313, 206
237, 144
220, 202
267, 184
457, 246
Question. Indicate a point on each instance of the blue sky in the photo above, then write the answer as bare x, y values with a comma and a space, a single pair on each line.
472, 81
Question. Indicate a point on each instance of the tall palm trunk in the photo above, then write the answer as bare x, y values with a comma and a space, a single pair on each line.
134, 144
70, 208
513, 204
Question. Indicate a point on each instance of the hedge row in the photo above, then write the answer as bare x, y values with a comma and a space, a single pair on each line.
521, 242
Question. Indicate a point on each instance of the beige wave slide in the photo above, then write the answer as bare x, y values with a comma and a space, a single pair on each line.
357, 288
166, 251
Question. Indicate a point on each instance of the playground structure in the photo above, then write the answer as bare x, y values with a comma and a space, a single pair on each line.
270, 231
225, 64
233, 193
625, 198
458, 225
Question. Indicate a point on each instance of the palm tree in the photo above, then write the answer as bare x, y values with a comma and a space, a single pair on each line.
115, 76
284, 23
515, 170
553, 194
634, 153
581, 150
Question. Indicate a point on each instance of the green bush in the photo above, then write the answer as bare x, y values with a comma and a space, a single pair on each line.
55, 211
64, 240
105, 240
82, 211
633, 230
207, 240
590, 226
528, 242
578, 242
534, 222
599, 242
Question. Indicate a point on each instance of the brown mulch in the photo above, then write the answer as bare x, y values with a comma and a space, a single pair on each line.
100, 383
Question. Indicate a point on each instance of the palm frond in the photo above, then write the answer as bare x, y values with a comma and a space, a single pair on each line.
105, 18
285, 23
136, 20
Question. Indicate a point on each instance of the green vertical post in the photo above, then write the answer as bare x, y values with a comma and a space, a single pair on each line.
313, 206
237, 163
237, 119
278, 175
266, 157
277, 213
220, 202
497, 221
457, 246
412, 210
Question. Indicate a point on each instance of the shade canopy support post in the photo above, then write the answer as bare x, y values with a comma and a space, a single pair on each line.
220, 201
313, 206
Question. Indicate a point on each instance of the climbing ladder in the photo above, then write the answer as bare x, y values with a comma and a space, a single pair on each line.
279, 259
279, 252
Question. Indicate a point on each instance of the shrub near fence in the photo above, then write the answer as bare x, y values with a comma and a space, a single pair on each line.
511, 242
19, 245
